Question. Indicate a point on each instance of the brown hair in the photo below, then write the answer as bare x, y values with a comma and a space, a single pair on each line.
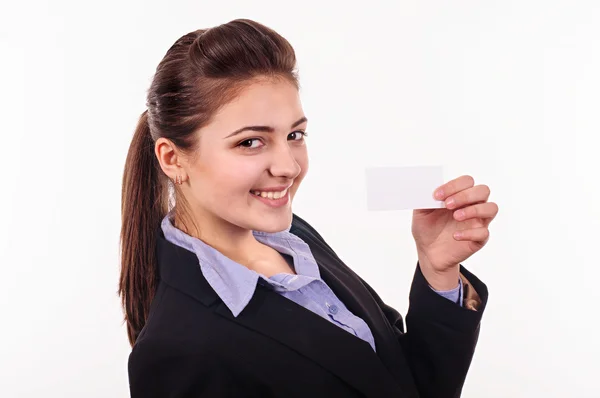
200, 73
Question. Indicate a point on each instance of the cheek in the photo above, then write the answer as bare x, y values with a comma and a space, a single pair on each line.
233, 176
302, 160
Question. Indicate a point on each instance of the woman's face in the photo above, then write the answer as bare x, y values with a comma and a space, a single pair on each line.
251, 153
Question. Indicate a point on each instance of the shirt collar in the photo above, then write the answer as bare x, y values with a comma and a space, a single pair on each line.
234, 283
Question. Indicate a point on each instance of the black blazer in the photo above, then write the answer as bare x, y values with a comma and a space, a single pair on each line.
192, 346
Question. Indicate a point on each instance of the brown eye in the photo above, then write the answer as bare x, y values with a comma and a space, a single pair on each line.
249, 143
299, 135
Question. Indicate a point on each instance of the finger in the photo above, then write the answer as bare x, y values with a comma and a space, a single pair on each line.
454, 186
476, 194
486, 210
475, 234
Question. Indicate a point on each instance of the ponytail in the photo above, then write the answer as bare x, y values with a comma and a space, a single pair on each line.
144, 202
200, 73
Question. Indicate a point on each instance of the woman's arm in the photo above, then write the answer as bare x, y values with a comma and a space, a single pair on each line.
441, 336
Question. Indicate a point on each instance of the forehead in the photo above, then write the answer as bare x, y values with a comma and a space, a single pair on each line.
274, 103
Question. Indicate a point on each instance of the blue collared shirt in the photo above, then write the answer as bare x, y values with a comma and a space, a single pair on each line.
235, 284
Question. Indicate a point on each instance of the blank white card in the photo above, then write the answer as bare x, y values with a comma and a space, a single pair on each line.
399, 188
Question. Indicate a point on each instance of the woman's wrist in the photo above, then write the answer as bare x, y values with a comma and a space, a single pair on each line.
446, 279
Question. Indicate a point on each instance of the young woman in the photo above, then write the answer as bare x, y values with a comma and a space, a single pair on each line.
227, 293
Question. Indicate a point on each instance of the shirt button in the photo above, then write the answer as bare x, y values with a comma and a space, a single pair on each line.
333, 309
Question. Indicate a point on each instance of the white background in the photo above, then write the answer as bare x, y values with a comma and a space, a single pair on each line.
506, 91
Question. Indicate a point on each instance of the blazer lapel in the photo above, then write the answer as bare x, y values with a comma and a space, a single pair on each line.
349, 289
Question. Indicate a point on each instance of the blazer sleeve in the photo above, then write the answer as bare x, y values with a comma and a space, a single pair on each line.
440, 338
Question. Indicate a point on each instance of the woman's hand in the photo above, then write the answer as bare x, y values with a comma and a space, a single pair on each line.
447, 237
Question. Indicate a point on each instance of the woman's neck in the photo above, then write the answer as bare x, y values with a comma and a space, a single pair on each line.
234, 242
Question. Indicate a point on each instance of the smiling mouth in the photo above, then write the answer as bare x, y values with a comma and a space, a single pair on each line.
270, 194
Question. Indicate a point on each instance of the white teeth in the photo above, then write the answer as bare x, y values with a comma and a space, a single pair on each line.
271, 195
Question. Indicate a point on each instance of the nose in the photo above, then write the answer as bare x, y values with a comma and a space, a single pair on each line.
284, 163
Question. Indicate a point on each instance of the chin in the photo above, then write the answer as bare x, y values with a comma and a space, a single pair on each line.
272, 224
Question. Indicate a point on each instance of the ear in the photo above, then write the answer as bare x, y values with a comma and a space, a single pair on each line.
171, 160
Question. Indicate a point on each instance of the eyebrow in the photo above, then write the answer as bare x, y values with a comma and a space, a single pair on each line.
265, 129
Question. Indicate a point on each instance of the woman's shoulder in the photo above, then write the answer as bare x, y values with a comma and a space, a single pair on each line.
172, 316
300, 227
176, 342
305, 231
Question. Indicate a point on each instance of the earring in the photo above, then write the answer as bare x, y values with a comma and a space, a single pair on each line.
178, 180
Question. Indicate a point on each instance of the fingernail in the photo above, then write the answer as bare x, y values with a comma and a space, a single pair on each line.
458, 235
450, 203
439, 194
460, 214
